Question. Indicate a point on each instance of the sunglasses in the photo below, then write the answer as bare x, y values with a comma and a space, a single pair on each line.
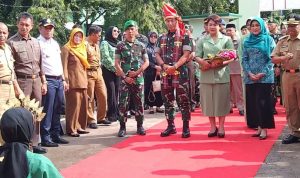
116, 31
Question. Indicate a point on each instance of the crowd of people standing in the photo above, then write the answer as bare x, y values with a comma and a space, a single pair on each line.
116, 76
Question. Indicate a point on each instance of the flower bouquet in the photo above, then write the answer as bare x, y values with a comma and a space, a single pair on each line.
223, 55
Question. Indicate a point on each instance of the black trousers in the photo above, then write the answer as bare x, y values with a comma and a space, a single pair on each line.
112, 82
259, 105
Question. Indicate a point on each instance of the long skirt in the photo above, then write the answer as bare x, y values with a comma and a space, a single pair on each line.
215, 99
259, 105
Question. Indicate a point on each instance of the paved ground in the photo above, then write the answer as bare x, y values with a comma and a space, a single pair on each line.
282, 162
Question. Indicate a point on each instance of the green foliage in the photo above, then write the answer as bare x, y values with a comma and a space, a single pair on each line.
147, 13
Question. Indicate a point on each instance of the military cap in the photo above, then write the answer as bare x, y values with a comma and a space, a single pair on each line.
292, 21
130, 23
46, 22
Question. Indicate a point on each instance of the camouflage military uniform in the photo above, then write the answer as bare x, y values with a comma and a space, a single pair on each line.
168, 87
131, 57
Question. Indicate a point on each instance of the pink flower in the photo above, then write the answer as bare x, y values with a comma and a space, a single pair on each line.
228, 54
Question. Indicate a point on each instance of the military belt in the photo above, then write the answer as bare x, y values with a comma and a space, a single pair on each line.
9, 82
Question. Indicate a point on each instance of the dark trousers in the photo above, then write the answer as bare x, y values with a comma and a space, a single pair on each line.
53, 102
112, 82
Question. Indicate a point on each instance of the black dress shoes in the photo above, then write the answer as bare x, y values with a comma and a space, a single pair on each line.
60, 141
74, 134
213, 134
49, 144
290, 139
112, 119
104, 121
38, 149
83, 131
93, 126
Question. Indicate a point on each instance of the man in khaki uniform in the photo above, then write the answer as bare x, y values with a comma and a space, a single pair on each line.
9, 87
27, 54
96, 84
287, 53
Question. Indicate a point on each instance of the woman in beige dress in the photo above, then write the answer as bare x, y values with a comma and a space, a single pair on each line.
74, 59
214, 78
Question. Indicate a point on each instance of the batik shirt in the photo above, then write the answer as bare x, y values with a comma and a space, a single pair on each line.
255, 61
131, 56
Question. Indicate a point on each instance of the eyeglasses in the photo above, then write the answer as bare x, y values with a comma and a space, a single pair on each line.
153, 36
116, 31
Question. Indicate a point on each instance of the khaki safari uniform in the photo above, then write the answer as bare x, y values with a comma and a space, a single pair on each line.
96, 84
291, 81
28, 61
7, 76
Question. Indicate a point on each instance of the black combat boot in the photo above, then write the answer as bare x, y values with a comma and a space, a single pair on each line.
186, 130
122, 131
170, 129
140, 129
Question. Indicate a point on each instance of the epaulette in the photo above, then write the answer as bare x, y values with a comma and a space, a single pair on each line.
283, 37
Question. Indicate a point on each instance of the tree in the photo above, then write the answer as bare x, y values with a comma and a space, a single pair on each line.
54, 10
90, 10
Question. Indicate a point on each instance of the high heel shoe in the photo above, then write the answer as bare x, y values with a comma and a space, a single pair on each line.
221, 135
263, 135
213, 134
255, 135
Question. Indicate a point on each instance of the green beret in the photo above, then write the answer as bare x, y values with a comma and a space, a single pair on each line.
130, 23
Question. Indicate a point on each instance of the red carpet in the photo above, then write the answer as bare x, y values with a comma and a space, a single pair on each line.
236, 155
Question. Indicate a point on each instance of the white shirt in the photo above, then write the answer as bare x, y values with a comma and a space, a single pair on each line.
51, 60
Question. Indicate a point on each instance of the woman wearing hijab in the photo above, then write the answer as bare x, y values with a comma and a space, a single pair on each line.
258, 77
74, 60
214, 78
107, 48
152, 72
16, 159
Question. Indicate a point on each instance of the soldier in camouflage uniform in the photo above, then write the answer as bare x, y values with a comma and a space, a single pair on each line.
131, 60
172, 52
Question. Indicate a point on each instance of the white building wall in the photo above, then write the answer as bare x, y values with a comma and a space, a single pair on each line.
248, 8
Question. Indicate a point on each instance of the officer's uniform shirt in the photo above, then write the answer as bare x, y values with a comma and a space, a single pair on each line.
286, 45
27, 55
93, 51
6, 63
51, 60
